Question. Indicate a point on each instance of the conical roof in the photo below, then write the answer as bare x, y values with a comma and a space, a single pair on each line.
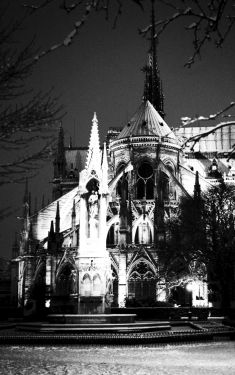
147, 122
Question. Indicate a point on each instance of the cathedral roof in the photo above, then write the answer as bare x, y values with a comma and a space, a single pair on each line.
42, 220
147, 121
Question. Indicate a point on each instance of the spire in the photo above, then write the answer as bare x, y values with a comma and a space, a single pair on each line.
52, 227
26, 200
51, 237
26, 192
29, 203
60, 162
93, 161
57, 218
153, 85
51, 232
197, 188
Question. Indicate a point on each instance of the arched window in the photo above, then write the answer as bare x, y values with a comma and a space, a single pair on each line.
142, 283
115, 286
140, 193
97, 285
66, 282
110, 236
86, 286
144, 187
143, 233
165, 185
122, 185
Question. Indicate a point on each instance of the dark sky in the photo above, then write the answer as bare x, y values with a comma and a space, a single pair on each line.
101, 72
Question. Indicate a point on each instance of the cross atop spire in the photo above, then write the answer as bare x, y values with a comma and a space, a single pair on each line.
153, 85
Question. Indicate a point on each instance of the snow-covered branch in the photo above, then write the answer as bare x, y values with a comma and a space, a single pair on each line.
84, 9
189, 120
196, 138
70, 36
207, 21
33, 8
211, 21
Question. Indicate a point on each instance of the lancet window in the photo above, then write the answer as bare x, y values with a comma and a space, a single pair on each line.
122, 185
145, 181
66, 283
142, 282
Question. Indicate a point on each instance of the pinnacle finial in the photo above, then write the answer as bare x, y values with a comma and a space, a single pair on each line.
93, 156
52, 227
94, 118
153, 86
197, 187
57, 218
57, 209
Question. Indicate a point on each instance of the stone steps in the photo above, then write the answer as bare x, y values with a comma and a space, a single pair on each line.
105, 327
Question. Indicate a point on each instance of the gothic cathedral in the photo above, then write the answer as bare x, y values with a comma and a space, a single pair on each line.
99, 243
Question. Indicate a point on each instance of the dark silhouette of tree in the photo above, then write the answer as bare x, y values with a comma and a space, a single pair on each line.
207, 21
27, 119
219, 221
202, 240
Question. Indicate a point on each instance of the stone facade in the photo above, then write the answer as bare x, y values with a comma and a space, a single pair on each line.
98, 243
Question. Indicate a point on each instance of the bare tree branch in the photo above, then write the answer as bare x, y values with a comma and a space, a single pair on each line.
211, 21
189, 121
196, 138
22, 125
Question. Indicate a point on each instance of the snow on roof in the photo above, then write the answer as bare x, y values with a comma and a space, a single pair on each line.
42, 220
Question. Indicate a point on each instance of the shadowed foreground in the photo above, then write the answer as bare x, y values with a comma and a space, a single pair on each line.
215, 358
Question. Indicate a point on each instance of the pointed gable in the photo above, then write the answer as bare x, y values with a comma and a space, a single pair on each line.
93, 160
147, 122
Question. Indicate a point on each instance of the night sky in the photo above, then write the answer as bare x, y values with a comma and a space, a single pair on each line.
101, 71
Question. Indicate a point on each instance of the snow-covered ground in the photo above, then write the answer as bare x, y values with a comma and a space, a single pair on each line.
215, 358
